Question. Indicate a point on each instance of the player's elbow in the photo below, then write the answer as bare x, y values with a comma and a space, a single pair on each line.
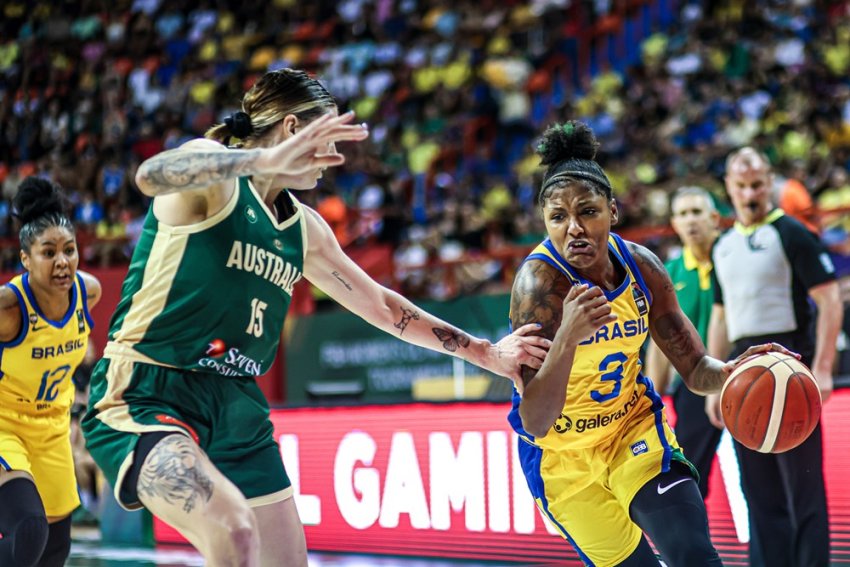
534, 424
143, 182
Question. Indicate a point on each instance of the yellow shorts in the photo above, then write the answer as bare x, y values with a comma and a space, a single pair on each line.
586, 493
41, 446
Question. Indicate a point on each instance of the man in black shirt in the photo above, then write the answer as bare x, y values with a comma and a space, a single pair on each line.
766, 268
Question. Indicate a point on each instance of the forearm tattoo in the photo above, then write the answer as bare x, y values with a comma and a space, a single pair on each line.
345, 283
406, 316
538, 297
192, 170
451, 339
675, 336
173, 472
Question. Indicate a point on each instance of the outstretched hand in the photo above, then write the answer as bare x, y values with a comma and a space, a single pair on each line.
520, 348
309, 148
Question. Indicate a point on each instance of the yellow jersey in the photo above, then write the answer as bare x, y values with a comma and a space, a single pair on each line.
36, 368
606, 389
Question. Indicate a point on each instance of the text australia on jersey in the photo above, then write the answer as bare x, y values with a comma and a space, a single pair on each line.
264, 263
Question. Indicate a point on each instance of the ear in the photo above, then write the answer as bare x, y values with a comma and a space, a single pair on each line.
615, 214
25, 260
290, 125
715, 218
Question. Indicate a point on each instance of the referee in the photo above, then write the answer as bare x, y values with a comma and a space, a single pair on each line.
766, 268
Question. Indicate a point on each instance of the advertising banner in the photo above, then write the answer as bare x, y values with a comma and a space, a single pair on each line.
339, 354
443, 480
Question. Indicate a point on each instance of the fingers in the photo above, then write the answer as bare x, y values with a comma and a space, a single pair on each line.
712, 410
526, 329
531, 361
575, 291
536, 352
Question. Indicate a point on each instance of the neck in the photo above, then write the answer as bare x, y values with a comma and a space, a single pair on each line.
54, 305
702, 253
266, 190
607, 276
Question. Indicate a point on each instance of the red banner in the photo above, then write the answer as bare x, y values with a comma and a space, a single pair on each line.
444, 481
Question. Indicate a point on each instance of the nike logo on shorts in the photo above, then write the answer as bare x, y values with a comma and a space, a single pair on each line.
663, 489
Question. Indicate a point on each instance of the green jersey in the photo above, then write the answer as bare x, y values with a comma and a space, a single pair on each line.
212, 296
694, 290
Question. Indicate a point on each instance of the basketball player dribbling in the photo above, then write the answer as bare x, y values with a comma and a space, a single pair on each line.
601, 462
177, 422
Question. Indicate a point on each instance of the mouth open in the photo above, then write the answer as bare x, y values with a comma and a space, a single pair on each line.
579, 247
63, 279
753, 206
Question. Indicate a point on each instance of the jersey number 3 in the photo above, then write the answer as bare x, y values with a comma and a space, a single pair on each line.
255, 325
615, 376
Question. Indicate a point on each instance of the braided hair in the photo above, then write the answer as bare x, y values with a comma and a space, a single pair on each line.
39, 205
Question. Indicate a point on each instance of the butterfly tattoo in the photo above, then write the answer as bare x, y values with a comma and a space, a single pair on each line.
451, 340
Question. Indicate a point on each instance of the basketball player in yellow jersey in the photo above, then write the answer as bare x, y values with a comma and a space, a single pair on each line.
601, 462
44, 330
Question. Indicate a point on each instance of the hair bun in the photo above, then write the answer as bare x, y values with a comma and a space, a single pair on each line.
239, 124
570, 140
37, 197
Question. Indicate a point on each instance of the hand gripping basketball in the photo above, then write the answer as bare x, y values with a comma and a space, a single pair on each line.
770, 403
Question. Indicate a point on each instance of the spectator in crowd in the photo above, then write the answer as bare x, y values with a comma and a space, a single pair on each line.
766, 268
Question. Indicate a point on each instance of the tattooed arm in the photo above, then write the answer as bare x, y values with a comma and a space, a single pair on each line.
328, 268
673, 332
567, 315
195, 165
203, 163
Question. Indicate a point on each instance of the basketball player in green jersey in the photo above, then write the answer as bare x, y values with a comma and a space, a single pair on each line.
599, 458
177, 422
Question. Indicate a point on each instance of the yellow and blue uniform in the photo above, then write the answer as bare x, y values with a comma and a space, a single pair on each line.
36, 393
611, 437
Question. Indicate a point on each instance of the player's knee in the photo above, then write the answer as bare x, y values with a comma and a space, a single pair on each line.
23, 524
235, 538
58, 544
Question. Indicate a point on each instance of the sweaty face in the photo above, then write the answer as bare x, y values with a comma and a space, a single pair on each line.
749, 189
52, 260
578, 222
694, 220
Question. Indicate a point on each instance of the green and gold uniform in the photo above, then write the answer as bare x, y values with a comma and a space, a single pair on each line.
200, 317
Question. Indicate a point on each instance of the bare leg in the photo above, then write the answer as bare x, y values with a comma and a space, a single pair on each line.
282, 542
180, 485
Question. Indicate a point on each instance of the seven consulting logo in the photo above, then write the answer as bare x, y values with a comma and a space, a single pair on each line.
216, 348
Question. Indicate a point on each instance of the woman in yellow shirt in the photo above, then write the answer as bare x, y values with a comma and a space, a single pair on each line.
44, 332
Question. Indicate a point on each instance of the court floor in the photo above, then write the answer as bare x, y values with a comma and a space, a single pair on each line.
92, 555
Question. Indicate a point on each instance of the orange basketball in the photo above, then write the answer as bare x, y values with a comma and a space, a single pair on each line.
771, 402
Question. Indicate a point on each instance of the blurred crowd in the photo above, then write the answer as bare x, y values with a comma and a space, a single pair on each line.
455, 93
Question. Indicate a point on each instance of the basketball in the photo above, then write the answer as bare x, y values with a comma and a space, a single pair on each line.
771, 402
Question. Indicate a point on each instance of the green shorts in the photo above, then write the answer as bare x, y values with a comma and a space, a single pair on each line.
227, 416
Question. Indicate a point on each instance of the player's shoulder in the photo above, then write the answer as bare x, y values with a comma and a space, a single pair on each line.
10, 314
536, 274
8, 298
202, 144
